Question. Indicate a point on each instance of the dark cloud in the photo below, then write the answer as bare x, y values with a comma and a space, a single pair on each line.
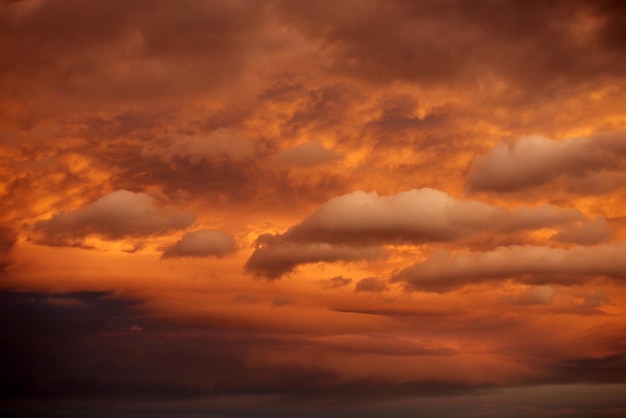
536, 295
246, 298
8, 238
403, 121
114, 50
605, 369
527, 264
371, 285
220, 142
527, 44
279, 301
219, 175
274, 261
85, 348
201, 243
335, 282
305, 155
535, 160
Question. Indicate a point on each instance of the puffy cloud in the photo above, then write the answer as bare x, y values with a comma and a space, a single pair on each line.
415, 216
418, 216
305, 155
526, 264
201, 243
370, 284
274, 261
535, 160
114, 216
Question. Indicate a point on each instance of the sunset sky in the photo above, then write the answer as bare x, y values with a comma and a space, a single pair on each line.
346, 208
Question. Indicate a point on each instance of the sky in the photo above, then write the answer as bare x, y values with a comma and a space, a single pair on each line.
355, 208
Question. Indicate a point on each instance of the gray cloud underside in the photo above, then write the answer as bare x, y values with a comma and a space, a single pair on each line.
526, 264
359, 219
203, 243
275, 261
117, 215
535, 160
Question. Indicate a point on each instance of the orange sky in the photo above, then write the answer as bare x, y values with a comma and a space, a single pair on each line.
349, 208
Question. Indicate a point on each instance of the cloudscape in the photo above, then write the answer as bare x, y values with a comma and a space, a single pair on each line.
356, 208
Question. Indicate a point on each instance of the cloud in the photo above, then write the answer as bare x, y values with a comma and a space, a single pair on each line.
418, 216
535, 160
335, 282
591, 232
371, 285
117, 215
305, 155
106, 39
279, 301
342, 227
535, 295
203, 243
275, 261
8, 238
219, 143
541, 265
520, 43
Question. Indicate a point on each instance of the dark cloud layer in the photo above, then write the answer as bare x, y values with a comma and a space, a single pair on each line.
68, 47
88, 345
101, 351
528, 44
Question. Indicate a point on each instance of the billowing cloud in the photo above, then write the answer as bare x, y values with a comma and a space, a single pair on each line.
535, 160
274, 261
418, 216
345, 226
305, 155
527, 264
114, 216
203, 243
361, 219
